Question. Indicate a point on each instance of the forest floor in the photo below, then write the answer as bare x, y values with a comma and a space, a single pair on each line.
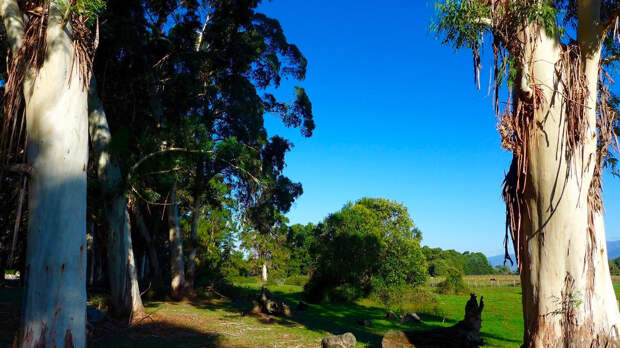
222, 322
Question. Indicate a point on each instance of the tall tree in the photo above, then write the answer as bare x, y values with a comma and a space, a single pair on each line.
51, 49
559, 126
122, 273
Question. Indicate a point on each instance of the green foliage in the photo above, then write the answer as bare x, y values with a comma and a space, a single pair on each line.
459, 22
453, 283
614, 266
267, 247
439, 261
89, 9
368, 244
297, 279
299, 240
503, 269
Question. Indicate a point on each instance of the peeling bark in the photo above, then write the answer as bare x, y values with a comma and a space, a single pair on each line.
559, 235
57, 127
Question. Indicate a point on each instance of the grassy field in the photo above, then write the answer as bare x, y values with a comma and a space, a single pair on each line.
224, 322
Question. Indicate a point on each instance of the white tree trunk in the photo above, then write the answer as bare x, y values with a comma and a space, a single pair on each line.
123, 282
263, 276
568, 298
132, 288
177, 266
57, 128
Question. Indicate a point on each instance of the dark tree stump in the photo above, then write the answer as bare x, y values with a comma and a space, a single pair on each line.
464, 334
265, 303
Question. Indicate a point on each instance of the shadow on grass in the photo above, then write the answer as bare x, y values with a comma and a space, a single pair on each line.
164, 332
154, 335
335, 318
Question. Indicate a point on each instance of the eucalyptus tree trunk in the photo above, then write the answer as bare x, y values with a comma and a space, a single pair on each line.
191, 261
121, 264
177, 266
568, 297
54, 311
154, 261
263, 277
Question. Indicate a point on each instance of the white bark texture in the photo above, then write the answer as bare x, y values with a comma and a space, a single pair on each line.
119, 249
57, 128
177, 266
568, 297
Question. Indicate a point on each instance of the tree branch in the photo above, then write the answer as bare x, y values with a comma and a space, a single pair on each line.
156, 153
13, 23
610, 59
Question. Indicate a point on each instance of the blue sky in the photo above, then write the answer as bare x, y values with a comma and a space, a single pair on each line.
398, 116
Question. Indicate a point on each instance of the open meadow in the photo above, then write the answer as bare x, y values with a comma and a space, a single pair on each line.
213, 321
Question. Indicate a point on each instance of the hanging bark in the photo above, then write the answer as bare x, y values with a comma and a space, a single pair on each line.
552, 191
149, 242
177, 267
56, 124
125, 299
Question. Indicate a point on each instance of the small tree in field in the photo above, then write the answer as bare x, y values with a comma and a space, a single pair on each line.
369, 245
555, 57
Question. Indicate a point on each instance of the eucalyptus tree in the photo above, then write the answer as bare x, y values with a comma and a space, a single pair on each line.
557, 59
51, 49
188, 79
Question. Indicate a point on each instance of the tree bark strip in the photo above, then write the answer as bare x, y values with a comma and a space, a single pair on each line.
57, 126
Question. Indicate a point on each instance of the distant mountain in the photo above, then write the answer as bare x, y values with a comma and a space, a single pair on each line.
613, 251
498, 260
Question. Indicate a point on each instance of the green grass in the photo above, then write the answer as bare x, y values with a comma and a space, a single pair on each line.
225, 323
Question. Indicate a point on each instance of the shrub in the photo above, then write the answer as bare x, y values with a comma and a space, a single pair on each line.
453, 284
275, 281
367, 244
298, 280
408, 299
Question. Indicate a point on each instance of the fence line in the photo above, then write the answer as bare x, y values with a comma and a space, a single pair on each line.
482, 281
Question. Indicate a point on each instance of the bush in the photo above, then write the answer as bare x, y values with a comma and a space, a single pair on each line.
298, 280
408, 299
242, 280
453, 284
367, 244
275, 281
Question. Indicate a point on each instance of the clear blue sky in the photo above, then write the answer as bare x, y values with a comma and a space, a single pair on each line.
398, 117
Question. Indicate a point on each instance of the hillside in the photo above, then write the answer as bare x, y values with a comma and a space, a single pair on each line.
613, 251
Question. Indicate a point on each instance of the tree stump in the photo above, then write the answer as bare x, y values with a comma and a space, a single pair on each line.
464, 334
265, 303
